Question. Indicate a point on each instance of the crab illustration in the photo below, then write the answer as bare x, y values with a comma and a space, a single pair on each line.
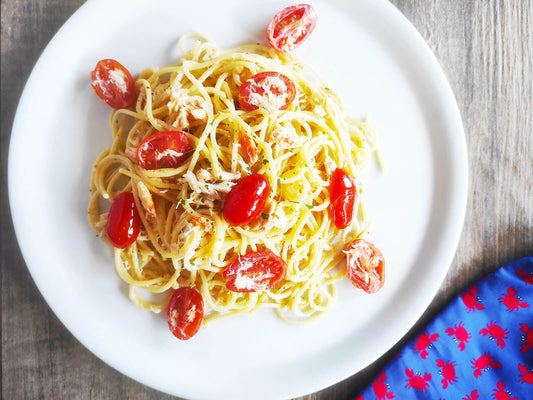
495, 332
527, 338
424, 342
472, 396
527, 278
381, 389
461, 335
512, 301
417, 381
525, 376
360, 398
483, 363
501, 393
471, 301
447, 372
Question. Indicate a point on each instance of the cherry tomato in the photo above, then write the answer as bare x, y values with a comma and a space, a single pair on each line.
113, 83
268, 90
246, 199
343, 196
163, 150
185, 312
365, 266
123, 221
291, 26
254, 272
249, 148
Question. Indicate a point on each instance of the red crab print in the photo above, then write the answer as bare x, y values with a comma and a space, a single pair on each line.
495, 332
424, 342
461, 335
524, 276
501, 393
483, 363
381, 389
471, 301
525, 376
472, 396
360, 398
416, 381
447, 372
527, 338
512, 301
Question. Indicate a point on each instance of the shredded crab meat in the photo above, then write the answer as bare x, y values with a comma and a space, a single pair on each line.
197, 199
183, 107
187, 242
200, 183
285, 137
206, 223
147, 201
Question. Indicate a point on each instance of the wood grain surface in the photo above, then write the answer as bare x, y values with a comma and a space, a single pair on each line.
485, 48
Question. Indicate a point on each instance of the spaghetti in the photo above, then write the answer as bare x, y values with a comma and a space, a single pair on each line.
184, 238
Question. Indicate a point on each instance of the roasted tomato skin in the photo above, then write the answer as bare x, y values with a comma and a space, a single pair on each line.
262, 85
123, 221
254, 272
291, 26
246, 199
363, 258
343, 195
113, 83
185, 312
166, 149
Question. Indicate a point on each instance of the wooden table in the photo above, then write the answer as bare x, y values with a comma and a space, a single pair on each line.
485, 48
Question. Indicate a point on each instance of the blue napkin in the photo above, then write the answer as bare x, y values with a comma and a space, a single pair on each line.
479, 347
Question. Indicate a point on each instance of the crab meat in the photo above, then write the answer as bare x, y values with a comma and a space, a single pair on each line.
183, 107
206, 223
147, 201
199, 183
285, 137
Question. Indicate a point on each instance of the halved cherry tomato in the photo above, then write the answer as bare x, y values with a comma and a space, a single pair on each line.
123, 221
343, 196
113, 83
254, 272
365, 265
249, 148
163, 150
185, 312
291, 26
268, 90
246, 199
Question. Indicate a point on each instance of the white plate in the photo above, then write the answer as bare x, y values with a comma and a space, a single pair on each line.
366, 51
